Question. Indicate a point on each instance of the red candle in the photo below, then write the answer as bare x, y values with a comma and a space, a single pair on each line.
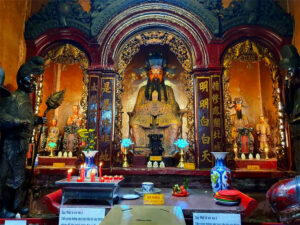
100, 171
69, 175
82, 172
93, 172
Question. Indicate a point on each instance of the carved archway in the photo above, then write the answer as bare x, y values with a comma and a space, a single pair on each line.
249, 51
182, 53
66, 54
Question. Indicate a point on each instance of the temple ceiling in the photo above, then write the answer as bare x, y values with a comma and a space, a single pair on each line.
218, 20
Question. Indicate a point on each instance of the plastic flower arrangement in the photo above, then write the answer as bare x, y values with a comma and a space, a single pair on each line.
88, 139
181, 143
126, 142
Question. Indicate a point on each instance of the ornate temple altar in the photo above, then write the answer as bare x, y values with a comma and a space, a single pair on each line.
216, 54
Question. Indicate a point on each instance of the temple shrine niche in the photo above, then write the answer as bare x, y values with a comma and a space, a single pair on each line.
136, 76
250, 81
64, 61
157, 89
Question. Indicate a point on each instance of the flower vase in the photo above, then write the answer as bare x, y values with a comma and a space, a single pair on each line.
220, 175
89, 162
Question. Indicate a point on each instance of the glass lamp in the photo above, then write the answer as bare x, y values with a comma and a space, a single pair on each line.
126, 143
181, 144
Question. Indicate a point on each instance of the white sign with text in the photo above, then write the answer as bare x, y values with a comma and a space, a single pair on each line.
81, 216
15, 222
216, 219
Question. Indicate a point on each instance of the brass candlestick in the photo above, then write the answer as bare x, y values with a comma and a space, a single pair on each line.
125, 161
51, 152
181, 161
235, 149
266, 151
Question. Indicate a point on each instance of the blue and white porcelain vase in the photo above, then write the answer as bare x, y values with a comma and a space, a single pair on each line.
220, 175
89, 163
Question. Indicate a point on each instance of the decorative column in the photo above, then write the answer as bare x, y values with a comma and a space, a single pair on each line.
209, 118
101, 112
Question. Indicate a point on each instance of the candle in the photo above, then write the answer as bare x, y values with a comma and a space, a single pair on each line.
69, 175
100, 171
82, 172
93, 172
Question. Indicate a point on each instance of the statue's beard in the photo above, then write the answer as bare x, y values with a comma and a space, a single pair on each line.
239, 114
155, 85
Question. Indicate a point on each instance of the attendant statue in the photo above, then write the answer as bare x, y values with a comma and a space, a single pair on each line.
74, 123
156, 110
75, 118
16, 123
241, 131
53, 137
290, 63
263, 132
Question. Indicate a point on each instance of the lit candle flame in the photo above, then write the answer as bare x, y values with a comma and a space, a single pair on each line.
100, 164
70, 171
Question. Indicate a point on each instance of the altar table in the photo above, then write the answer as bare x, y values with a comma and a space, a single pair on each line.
88, 190
199, 200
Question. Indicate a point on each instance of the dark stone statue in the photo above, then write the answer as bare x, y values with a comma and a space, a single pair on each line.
291, 64
17, 122
155, 144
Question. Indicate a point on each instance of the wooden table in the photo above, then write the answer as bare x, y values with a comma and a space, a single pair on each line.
87, 190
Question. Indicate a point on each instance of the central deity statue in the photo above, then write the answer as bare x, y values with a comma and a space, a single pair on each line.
156, 110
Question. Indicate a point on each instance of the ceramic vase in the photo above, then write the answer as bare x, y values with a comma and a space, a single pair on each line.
89, 162
220, 175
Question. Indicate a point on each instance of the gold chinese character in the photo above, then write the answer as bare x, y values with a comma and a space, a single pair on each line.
93, 99
104, 156
217, 134
106, 104
217, 122
215, 98
105, 138
215, 86
216, 110
93, 112
106, 122
204, 103
205, 139
204, 121
205, 156
94, 87
217, 147
106, 87
203, 86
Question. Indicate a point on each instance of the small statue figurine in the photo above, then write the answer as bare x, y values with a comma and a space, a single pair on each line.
74, 123
241, 131
53, 137
75, 118
263, 132
16, 123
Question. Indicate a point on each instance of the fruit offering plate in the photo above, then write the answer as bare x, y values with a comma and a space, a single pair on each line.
180, 194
